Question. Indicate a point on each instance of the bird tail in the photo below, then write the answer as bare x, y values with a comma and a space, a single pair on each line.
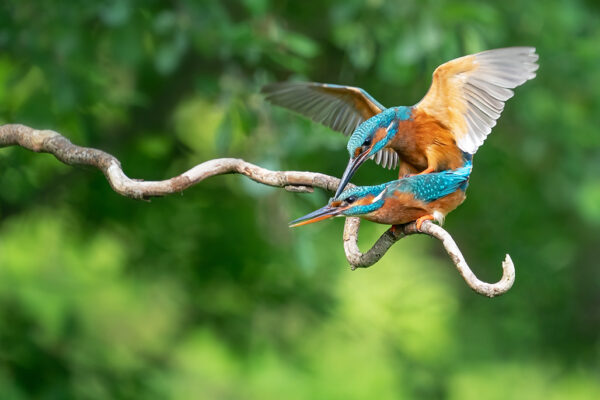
466, 170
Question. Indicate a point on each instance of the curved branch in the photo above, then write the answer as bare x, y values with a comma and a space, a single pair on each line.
391, 236
48, 141
374, 254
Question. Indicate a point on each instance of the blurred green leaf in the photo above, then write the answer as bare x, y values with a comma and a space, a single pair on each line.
209, 294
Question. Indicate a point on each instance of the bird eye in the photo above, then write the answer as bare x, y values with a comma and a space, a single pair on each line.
351, 199
367, 142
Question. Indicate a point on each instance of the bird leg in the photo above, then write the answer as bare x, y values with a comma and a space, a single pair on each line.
422, 219
397, 229
428, 170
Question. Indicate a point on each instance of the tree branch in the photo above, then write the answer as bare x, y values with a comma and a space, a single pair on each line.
389, 237
47, 141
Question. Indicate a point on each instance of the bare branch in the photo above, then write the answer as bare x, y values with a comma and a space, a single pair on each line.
391, 236
295, 181
374, 254
47, 141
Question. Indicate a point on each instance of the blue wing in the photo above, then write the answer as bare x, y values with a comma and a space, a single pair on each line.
430, 187
341, 108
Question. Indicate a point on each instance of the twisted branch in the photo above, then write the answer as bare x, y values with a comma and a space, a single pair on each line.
47, 141
391, 236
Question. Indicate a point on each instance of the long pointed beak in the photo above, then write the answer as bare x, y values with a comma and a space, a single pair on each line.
351, 168
315, 216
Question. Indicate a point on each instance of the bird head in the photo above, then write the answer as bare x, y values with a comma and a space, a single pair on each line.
368, 138
352, 202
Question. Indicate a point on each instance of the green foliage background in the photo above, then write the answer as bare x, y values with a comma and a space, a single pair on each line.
208, 294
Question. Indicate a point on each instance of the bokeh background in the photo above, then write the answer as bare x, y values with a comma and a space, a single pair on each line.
208, 294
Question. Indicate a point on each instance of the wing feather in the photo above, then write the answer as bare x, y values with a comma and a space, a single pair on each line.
468, 94
342, 108
386, 157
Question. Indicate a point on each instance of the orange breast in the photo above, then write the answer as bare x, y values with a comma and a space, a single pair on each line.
404, 208
399, 209
423, 142
448, 203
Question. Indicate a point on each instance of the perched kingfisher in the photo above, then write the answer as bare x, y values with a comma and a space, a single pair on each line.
462, 105
415, 198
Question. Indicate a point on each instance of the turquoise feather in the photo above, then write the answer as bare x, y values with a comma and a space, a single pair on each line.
426, 188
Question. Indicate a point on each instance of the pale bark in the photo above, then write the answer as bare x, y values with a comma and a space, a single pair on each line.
296, 181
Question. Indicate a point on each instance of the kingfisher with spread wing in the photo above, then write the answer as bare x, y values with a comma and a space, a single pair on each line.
466, 97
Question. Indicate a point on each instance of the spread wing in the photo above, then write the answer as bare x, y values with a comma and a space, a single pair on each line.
341, 108
467, 94
387, 158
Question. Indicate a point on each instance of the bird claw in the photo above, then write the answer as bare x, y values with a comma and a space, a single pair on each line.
423, 219
428, 170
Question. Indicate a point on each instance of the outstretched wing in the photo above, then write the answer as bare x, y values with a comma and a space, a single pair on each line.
467, 94
341, 108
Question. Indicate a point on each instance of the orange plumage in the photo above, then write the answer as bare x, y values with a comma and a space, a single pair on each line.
422, 142
404, 208
466, 97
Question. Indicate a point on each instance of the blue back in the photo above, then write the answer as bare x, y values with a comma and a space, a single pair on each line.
430, 187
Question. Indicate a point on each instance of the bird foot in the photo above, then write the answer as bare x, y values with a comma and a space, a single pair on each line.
423, 219
425, 171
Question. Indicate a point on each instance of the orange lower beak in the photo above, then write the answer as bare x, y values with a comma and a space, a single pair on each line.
316, 216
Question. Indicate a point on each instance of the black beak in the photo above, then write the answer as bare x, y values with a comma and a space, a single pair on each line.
353, 165
315, 216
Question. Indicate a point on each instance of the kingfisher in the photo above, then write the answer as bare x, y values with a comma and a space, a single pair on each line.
417, 198
465, 99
